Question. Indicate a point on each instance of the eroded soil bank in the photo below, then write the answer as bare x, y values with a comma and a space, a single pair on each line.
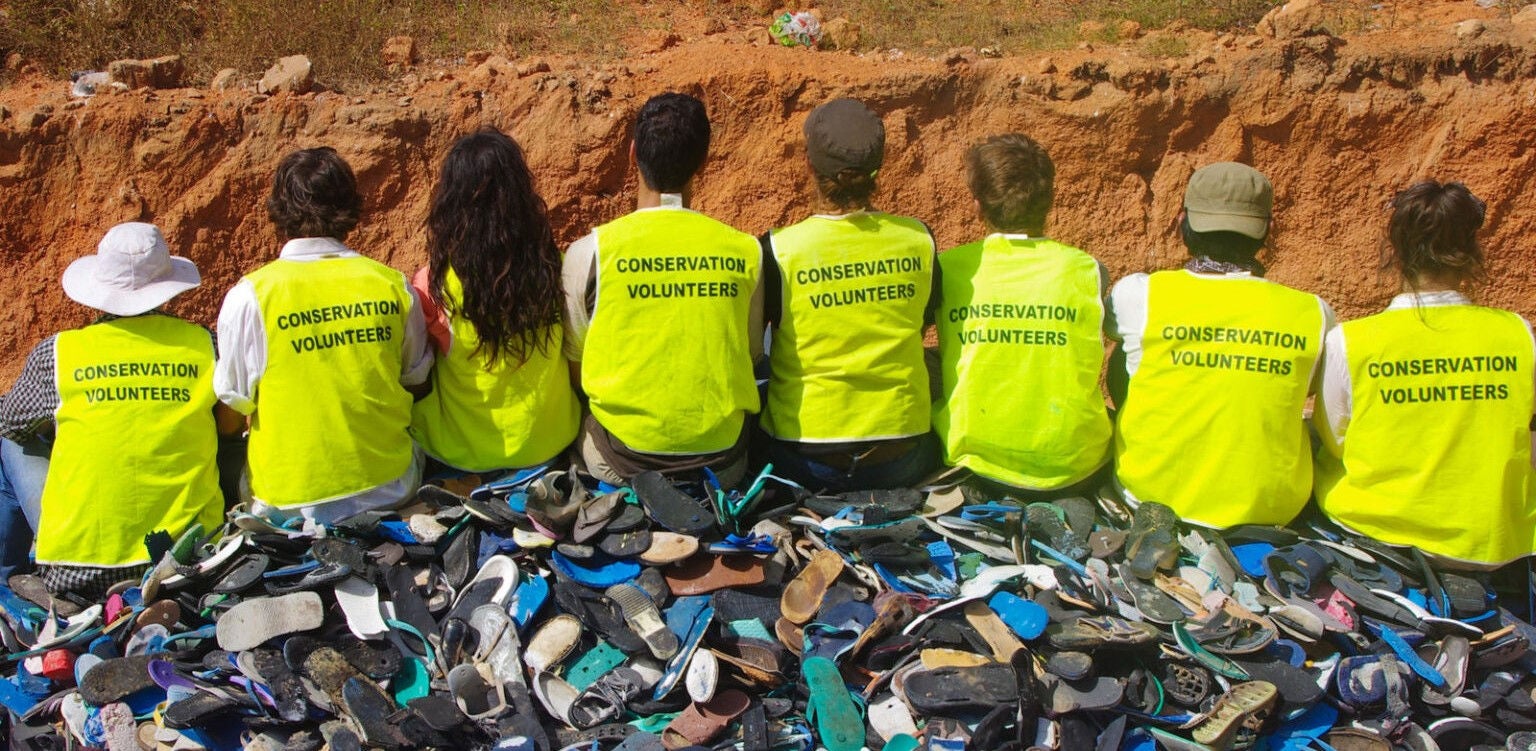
1338, 124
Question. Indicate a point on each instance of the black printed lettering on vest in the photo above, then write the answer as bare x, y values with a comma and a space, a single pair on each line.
1013, 336
663, 290
1466, 392
1225, 361
856, 269
343, 338
672, 264
135, 370
880, 293
99, 395
328, 313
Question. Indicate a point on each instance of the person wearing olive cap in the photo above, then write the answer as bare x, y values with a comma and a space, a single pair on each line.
126, 407
848, 292
1214, 366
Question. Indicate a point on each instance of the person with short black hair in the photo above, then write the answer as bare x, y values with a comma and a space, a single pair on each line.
1020, 321
663, 317
848, 293
501, 393
1215, 365
1427, 406
322, 349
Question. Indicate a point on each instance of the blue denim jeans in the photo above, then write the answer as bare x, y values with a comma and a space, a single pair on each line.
818, 474
22, 472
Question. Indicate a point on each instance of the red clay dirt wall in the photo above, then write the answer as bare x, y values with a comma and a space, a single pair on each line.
1338, 125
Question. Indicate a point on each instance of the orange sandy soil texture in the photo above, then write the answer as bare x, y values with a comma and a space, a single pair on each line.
1339, 124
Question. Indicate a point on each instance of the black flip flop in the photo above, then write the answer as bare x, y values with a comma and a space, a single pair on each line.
672, 508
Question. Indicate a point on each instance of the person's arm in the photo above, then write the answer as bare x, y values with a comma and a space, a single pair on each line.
439, 333
1333, 407
26, 413
773, 290
416, 360
578, 277
227, 421
242, 347
1330, 322
1125, 315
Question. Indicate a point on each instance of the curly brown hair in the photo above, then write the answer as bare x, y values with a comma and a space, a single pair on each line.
489, 225
314, 194
1013, 178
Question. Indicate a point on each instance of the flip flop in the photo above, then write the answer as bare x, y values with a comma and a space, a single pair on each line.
605, 699
529, 598
477, 696
492, 585
359, 601
689, 619
599, 572
831, 708
1244, 705
673, 509
1024, 617
497, 645
947, 690
1086, 694
552, 642
701, 723
703, 676
253, 622
1150, 543
1451, 658
803, 595
643, 617
669, 547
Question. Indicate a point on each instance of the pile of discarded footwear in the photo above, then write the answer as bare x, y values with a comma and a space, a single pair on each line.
542, 612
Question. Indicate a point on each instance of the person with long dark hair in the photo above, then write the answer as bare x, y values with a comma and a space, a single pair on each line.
1425, 408
501, 393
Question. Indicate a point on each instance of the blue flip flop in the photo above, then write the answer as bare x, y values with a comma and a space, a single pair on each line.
528, 598
688, 618
598, 572
1026, 617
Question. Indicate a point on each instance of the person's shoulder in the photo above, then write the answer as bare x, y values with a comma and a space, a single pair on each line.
1133, 283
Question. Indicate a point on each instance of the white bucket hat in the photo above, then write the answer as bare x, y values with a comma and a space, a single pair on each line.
132, 272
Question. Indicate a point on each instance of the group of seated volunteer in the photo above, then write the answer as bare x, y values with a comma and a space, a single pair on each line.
640, 349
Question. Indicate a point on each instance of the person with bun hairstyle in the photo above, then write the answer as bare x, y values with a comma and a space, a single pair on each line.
1426, 408
501, 393
1020, 335
848, 293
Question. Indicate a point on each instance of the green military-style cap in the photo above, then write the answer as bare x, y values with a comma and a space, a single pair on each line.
1229, 197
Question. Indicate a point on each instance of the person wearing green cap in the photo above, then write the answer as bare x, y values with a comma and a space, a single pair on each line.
1214, 366
848, 293
1020, 336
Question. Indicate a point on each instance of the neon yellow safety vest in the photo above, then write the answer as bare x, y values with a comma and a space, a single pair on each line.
482, 415
1437, 453
666, 364
136, 446
331, 415
847, 355
1212, 421
1021, 347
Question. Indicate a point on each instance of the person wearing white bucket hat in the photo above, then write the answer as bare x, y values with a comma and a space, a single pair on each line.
135, 371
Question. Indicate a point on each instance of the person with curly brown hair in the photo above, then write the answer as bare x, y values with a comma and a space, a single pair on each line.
1425, 408
501, 392
322, 349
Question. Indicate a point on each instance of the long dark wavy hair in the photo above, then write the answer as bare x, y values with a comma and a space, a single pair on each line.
491, 227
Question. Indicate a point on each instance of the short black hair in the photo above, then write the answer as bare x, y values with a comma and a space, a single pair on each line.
1221, 245
671, 140
314, 194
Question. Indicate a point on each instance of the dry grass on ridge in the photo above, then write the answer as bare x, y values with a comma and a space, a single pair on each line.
344, 36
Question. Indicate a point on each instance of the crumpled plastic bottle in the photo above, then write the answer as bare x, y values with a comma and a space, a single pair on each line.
791, 29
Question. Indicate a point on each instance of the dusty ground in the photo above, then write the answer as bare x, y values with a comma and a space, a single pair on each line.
1338, 124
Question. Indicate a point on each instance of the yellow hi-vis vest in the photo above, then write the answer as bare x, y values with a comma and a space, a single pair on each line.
1437, 453
847, 355
136, 445
1212, 421
667, 365
331, 415
482, 415
1020, 342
